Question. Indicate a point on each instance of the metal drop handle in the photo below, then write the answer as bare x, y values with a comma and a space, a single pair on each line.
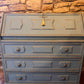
43, 22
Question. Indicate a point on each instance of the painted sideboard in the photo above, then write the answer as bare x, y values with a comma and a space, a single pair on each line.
42, 48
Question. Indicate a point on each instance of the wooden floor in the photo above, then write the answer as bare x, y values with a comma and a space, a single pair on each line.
82, 78
2, 78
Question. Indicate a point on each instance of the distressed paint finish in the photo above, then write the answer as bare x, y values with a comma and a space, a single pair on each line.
31, 25
37, 60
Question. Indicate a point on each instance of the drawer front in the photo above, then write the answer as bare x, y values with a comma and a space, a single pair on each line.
31, 25
39, 64
42, 49
41, 77
59, 49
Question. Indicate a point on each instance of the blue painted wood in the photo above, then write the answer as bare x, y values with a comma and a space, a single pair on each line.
41, 77
53, 49
43, 38
31, 25
47, 83
23, 64
63, 61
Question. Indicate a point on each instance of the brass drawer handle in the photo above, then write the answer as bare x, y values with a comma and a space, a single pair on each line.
20, 78
19, 65
66, 50
18, 50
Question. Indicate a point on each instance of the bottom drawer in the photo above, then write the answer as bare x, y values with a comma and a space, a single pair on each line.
41, 77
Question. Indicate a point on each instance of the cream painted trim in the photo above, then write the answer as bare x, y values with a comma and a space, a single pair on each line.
79, 41
42, 35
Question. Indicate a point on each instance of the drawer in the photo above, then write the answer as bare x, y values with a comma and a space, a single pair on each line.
41, 49
42, 65
41, 77
42, 25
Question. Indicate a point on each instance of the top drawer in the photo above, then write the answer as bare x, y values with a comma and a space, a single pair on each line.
41, 49
42, 25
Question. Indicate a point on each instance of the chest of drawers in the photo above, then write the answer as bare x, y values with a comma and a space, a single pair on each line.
42, 48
